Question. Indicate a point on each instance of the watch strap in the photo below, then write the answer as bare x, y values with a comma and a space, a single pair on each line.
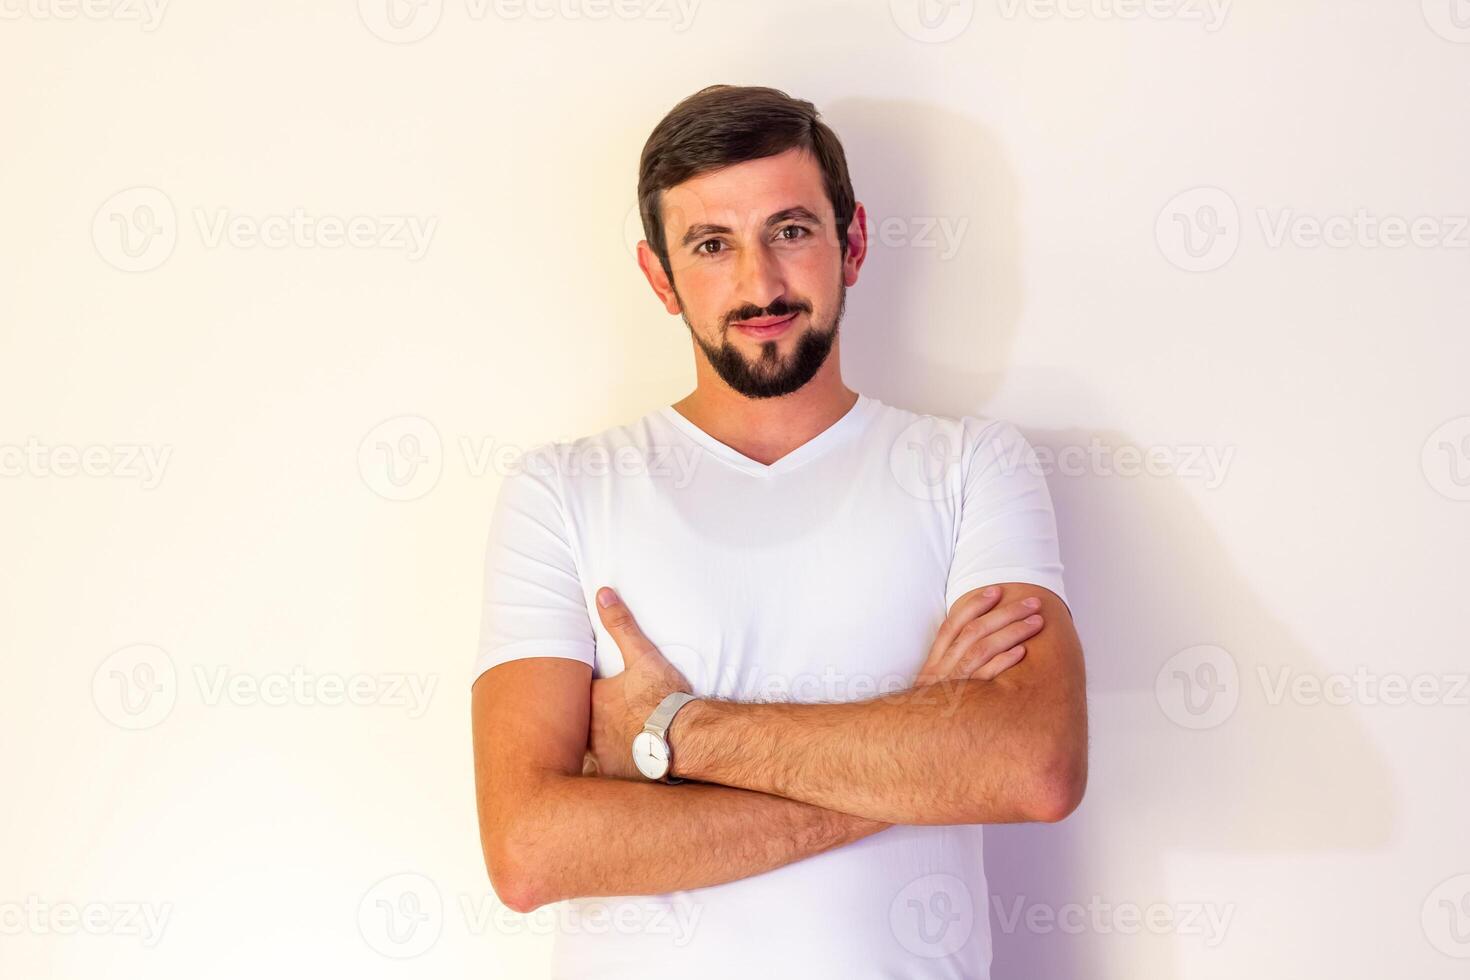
663, 715
658, 723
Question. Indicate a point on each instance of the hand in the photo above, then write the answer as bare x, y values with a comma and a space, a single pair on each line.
621, 704
977, 640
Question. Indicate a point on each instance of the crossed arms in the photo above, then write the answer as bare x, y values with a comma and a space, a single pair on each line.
777, 782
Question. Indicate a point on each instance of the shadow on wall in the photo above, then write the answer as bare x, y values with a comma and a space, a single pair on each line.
1172, 771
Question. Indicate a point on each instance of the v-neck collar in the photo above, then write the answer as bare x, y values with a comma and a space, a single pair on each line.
811, 449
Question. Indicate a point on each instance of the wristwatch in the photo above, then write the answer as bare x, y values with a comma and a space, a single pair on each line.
651, 752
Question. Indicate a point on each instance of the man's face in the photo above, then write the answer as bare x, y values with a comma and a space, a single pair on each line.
756, 242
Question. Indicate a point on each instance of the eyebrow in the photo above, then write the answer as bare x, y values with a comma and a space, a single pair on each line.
696, 232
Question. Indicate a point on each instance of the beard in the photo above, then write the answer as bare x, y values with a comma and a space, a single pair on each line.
770, 375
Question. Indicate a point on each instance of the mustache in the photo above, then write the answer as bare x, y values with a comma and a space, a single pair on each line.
778, 308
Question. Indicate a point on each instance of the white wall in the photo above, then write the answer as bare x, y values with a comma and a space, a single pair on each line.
1327, 540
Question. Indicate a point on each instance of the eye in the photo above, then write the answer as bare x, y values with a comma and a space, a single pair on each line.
700, 248
805, 232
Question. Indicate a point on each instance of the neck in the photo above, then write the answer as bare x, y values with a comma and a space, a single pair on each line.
765, 429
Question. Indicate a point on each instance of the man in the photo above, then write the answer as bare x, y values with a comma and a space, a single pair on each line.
756, 667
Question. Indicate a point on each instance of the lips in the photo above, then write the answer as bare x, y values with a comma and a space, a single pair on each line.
766, 327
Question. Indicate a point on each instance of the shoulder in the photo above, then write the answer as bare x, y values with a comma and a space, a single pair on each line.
559, 465
969, 442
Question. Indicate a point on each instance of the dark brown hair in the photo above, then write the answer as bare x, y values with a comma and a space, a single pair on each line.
723, 125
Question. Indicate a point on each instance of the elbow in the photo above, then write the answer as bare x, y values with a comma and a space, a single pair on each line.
515, 868
1060, 786
511, 878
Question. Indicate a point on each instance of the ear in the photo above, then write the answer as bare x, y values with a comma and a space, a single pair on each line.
653, 271
857, 245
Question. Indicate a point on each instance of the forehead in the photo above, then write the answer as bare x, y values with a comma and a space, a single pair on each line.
743, 194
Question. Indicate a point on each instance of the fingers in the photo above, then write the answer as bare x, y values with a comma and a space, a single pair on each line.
967, 608
989, 636
619, 621
993, 667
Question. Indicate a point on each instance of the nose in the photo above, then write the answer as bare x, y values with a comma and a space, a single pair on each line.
759, 279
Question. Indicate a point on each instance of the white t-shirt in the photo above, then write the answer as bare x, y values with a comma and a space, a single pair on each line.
820, 577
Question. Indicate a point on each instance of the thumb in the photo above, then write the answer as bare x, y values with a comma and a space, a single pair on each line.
618, 619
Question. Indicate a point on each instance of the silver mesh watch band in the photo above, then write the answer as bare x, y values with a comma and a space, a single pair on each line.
663, 716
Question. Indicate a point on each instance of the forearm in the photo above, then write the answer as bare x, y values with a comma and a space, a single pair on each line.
584, 836
967, 751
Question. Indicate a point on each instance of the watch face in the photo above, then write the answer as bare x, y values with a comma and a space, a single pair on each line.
650, 755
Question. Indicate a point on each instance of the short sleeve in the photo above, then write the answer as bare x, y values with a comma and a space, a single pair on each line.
1007, 529
533, 604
